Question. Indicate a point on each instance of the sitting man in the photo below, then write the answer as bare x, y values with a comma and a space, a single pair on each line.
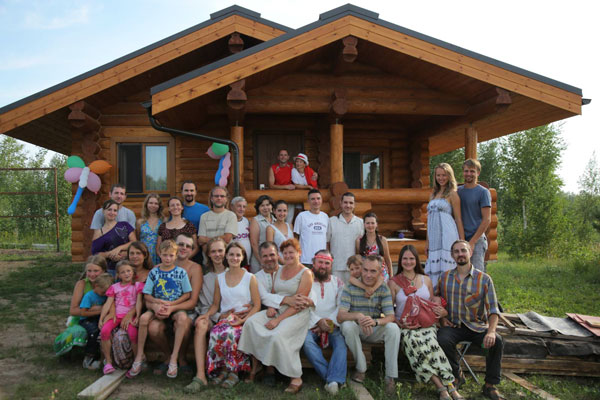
325, 293
361, 320
467, 291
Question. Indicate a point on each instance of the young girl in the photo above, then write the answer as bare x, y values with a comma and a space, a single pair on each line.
354, 264
126, 295
373, 243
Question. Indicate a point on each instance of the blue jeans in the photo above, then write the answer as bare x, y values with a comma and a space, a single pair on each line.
335, 370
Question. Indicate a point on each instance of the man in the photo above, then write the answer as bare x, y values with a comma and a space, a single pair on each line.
325, 293
280, 174
476, 211
192, 211
361, 320
311, 228
162, 330
343, 231
219, 221
467, 290
117, 193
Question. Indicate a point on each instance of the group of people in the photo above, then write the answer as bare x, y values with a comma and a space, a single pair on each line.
253, 294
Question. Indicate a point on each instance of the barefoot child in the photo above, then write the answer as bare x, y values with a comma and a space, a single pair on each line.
125, 295
166, 286
354, 264
91, 307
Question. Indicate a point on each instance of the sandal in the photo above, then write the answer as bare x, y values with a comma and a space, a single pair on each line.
441, 391
195, 386
492, 393
135, 369
452, 391
219, 378
108, 369
231, 381
172, 371
293, 389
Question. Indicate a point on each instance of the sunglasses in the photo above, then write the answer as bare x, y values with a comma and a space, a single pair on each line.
187, 246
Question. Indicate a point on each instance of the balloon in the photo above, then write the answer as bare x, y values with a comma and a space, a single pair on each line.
99, 167
211, 154
72, 174
75, 162
219, 171
220, 149
226, 166
223, 182
94, 183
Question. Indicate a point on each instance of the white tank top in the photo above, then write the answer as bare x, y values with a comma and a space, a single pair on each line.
234, 298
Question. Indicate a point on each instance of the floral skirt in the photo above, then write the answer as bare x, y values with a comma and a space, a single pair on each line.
425, 355
223, 349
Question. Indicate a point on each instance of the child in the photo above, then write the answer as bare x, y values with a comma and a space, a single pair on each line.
167, 285
91, 307
125, 295
354, 264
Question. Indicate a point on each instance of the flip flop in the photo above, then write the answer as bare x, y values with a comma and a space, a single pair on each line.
135, 370
231, 381
172, 371
108, 369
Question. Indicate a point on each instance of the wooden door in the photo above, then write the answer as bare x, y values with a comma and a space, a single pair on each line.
266, 149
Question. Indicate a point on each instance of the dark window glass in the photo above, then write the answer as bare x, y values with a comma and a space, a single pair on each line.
352, 175
130, 166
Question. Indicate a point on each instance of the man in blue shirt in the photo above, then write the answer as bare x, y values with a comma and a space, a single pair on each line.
476, 211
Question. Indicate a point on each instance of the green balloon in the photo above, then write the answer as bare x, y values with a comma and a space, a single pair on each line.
75, 162
220, 149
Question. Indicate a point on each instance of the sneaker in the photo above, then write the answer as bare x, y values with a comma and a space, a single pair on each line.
87, 361
332, 388
96, 364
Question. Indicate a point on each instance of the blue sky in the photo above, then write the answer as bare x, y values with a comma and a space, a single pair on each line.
46, 42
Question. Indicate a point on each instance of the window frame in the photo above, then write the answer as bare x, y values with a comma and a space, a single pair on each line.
370, 152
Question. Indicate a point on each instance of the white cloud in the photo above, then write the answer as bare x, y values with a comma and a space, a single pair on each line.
22, 62
76, 16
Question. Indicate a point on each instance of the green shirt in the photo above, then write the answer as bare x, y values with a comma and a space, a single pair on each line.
353, 300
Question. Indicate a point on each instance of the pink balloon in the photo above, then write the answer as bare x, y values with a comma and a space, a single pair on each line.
94, 182
223, 181
72, 174
212, 154
226, 166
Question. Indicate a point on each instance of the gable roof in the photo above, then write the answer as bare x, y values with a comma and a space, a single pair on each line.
220, 24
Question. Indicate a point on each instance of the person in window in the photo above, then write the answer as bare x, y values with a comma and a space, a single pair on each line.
280, 174
118, 195
303, 176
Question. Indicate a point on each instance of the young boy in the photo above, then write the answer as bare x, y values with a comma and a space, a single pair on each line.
166, 286
91, 307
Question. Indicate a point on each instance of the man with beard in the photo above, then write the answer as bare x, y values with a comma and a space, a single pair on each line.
476, 209
342, 233
192, 211
219, 221
467, 291
325, 293
118, 195
361, 320
161, 330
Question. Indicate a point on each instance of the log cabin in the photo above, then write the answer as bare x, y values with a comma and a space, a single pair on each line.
368, 101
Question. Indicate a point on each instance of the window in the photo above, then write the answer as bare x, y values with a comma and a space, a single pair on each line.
144, 167
362, 171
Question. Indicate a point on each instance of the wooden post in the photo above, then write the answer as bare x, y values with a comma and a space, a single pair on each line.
470, 143
237, 135
336, 132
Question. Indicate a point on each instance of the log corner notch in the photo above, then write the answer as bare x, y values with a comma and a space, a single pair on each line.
339, 105
347, 56
235, 43
236, 102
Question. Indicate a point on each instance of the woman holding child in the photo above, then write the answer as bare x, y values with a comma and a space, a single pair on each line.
176, 224
419, 342
275, 337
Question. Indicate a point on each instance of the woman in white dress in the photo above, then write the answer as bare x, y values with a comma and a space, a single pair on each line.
280, 230
275, 337
444, 223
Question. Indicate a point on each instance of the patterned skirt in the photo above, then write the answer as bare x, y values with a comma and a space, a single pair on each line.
223, 349
425, 355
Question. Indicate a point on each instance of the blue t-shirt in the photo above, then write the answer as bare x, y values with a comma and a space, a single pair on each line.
91, 299
167, 285
471, 203
193, 213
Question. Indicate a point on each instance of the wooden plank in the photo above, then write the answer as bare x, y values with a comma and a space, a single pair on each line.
571, 367
359, 390
104, 386
529, 386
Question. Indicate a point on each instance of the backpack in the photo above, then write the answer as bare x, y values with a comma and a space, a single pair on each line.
122, 352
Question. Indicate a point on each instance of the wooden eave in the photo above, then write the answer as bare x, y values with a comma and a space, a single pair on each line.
561, 99
221, 24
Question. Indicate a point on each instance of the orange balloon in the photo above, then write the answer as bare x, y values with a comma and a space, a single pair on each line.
99, 166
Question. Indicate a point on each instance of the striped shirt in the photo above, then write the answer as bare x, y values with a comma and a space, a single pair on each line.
353, 300
470, 301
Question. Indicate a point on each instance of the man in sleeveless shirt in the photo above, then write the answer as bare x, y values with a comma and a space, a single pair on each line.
280, 174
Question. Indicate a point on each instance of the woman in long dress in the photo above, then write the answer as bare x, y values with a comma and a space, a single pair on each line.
147, 226
280, 230
444, 223
258, 228
275, 337
420, 345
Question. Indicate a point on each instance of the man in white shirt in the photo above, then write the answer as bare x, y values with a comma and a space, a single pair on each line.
311, 228
324, 330
342, 233
118, 194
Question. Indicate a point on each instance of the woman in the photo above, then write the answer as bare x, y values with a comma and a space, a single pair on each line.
147, 226
444, 223
280, 230
372, 242
238, 206
139, 257
420, 345
258, 228
275, 337
113, 237
94, 267
303, 176
215, 251
176, 224
234, 290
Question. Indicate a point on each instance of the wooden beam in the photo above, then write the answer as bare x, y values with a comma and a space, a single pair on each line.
470, 143
237, 135
346, 56
339, 105
529, 386
336, 133
235, 43
236, 102
104, 386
